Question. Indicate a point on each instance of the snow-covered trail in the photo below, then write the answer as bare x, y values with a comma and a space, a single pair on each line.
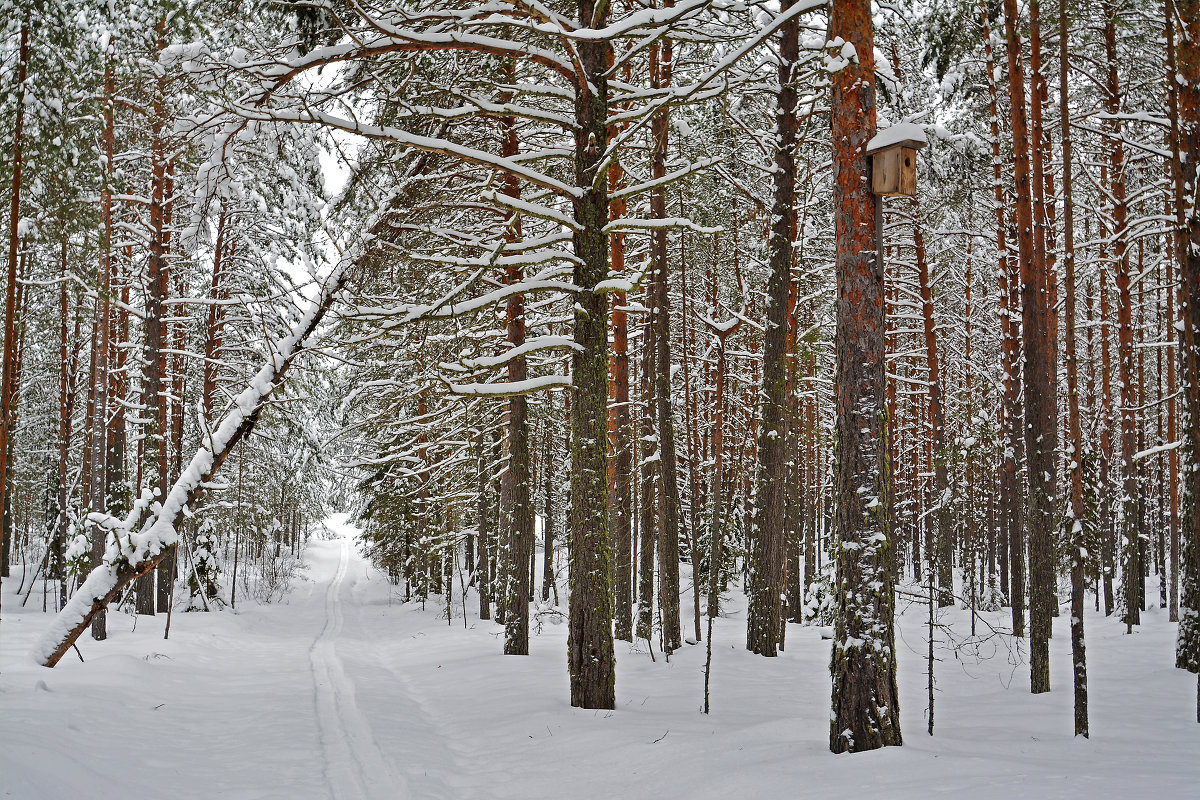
294, 700
353, 764
342, 692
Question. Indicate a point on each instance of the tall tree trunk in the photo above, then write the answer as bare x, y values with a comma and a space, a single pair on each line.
1009, 431
1038, 379
937, 422
12, 509
173, 400
620, 503
812, 481
520, 533
1177, 247
1038, 156
1128, 515
764, 615
66, 412
650, 467
484, 510
157, 277
974, 531
660, 315
1188, 60
8, 388
866, 711
1078, 511
1044, 256
118, 495
590, 642
794, 488
1106, 443
98, 371
548, 579
717, 520
695, 483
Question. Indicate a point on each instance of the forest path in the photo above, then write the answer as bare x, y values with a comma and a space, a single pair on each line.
353, 767
344, 691
400, 751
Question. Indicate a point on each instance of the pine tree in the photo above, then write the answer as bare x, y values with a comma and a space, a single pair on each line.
866, 713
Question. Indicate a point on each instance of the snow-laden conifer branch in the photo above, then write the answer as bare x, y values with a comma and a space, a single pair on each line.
535, 209
510, 388
390, 133
669, 178
535, 345
445, 311
627, 225
274, 75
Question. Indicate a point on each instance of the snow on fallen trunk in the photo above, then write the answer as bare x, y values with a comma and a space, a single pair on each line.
130, 554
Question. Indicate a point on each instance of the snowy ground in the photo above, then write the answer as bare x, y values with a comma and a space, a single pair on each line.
342, 692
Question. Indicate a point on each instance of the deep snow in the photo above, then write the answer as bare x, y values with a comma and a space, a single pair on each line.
344, 692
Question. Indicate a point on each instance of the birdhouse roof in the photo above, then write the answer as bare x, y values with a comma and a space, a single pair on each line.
902, 134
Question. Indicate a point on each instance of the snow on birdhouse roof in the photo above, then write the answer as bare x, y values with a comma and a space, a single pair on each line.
905, 133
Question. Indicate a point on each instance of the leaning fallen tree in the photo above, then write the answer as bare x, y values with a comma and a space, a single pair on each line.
139, 542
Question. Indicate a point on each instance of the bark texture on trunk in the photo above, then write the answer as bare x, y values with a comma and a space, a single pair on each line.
1127, 517
866, 712
668, 545
1038, 378
650, 467
620, 502
154, 398
944, 569
764, 615
1188, 60
1075, 453
590, 640
520, 533
8, 387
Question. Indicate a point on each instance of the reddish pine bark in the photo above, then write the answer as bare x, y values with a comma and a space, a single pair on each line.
520, 533
1038, 377
1188, 63
1125, 353
866, 713
8, 387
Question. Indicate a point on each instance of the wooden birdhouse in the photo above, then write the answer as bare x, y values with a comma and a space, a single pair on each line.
893, 154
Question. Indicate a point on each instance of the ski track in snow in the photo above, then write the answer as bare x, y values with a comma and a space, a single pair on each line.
354, 767
341, 693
